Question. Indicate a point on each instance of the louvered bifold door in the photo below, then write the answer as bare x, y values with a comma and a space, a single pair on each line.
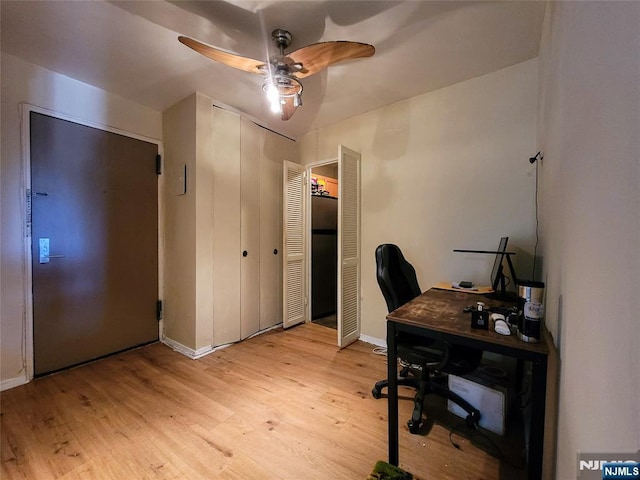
294, 242
348, 246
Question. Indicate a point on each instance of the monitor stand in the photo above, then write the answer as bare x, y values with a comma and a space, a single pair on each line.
501, 293
500, 285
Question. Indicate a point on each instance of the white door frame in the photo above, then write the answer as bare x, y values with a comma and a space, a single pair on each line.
27, 345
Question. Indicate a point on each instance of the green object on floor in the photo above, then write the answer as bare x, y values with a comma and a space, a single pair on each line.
386, 471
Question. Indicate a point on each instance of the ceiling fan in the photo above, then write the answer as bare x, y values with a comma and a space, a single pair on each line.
282, 71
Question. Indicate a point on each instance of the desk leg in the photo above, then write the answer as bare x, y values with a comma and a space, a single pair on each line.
519, 374
392, 376
536, 435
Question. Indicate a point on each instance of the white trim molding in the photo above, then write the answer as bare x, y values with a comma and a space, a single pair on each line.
201, 352
13, 382
373, 341
186, 351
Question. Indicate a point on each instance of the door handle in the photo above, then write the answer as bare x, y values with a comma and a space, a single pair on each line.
43, 251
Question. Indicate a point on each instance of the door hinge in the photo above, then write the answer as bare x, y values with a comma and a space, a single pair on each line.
158, 164
28, 213
159, 310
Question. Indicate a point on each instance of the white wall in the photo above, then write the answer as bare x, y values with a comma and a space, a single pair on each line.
447, 169
24, 82
188, 225
179, 125
589, 130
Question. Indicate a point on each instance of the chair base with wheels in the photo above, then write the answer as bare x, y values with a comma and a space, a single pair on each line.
424, 382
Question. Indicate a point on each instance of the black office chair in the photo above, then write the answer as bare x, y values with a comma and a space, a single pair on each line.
399, 285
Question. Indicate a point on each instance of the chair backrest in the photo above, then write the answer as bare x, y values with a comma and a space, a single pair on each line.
396, 277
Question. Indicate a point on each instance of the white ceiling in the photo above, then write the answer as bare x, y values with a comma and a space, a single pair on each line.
130, 48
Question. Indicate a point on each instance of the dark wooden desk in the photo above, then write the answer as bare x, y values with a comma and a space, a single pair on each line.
438, 314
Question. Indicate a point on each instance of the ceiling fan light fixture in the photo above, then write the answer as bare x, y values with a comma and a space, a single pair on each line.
272, 96
279, 87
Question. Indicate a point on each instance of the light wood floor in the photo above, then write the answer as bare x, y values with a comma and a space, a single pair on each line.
282, 405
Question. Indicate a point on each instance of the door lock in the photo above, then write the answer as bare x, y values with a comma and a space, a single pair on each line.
43, 251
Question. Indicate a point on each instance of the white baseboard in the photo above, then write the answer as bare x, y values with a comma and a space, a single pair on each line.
373, 341
13, 382
186, 351
201, 352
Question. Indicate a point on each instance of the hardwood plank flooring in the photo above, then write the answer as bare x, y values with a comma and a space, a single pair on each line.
282, 405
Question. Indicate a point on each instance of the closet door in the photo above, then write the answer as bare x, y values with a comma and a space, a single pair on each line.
273, 148
226, 227
348, 246
250, 152
247, 222
294, 254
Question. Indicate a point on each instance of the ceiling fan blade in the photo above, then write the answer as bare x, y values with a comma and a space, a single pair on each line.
318, 56
288, 109
231, 59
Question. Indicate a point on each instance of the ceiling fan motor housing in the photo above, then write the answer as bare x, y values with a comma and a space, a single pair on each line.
281, 39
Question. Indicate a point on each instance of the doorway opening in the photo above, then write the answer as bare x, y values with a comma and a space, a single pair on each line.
297, 296
324, 245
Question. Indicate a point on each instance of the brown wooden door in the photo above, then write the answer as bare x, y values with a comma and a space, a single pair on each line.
95, 198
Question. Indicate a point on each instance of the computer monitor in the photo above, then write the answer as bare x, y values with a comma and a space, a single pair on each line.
498, 278
497, 275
